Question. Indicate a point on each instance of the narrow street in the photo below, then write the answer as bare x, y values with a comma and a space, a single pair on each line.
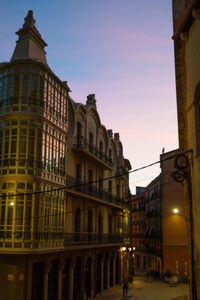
142, 290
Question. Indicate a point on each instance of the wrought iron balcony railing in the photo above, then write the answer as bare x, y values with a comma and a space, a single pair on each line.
138, 222
122, 171
91, 190
47, 240
152, 250
138, 209
153, 235
153, 213
84, 144
85, 238
138, 235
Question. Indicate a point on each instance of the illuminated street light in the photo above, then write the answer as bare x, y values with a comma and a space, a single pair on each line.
175, 210
133, 248
11, 203
124, 249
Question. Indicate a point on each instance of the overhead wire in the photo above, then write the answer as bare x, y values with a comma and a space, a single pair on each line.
74, 211
92, 182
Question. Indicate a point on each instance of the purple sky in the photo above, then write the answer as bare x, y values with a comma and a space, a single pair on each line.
120, 50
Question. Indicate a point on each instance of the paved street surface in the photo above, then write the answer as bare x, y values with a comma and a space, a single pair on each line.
142, 290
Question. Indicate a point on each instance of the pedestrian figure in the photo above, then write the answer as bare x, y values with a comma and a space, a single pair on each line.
125, 286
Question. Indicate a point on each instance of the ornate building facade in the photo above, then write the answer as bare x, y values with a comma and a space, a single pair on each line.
64, 190
186, 20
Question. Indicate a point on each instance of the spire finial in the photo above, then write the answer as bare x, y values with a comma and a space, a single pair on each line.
30, 44
29, 20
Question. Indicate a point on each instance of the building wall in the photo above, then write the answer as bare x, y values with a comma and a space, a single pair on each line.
62, 223
192, 47
174, 235
187, 40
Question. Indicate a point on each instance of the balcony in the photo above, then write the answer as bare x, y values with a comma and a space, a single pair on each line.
140, 249
153, 250
92, 152
122, 172
29, 241
153, 213
138, 209
84, 188
153, 234
138, 235
138, 222
85, 238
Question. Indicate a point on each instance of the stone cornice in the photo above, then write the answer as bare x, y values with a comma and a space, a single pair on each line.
187, 19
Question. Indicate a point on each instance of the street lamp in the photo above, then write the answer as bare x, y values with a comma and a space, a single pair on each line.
128, 256
175, 210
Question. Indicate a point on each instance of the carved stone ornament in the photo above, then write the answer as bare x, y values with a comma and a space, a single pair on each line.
184, 36
196, 13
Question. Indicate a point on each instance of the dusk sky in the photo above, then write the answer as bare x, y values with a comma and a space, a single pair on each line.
120, 50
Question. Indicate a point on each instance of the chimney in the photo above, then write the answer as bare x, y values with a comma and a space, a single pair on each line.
110, 133
116, 136
91, 100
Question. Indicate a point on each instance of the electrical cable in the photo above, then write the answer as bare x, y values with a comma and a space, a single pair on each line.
72, 211
92, 182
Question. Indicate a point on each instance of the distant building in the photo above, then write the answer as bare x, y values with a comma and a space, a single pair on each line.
186, 19
158, 224
140, 190
138, 229
153, 235
174, 235
62, 223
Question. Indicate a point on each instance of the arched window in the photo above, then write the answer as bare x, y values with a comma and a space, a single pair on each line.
100, 227
110, 224
79, 133
197, 116
101, 149
110, 154
90, 179
78, 220
100, 184
90, 229
118, 191
78, 176
88, 278
110, 187
78, 172
91, 141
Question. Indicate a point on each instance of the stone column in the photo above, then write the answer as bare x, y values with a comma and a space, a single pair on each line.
108, 272
92, 278
47, 269
83, 278
114, 259
61, 266
29, 280
120, 269
71, 278
102, 277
